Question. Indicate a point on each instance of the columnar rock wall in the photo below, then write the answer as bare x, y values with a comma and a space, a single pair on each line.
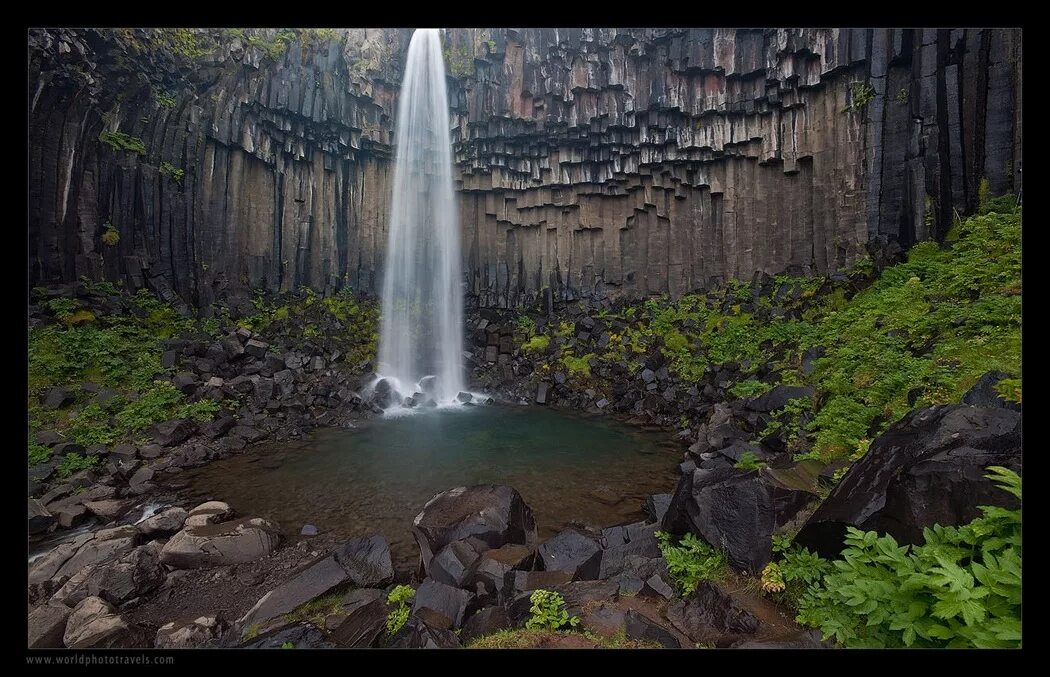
591, 161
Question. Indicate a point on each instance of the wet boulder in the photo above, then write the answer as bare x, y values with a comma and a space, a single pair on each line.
163, 523
928, 468
211, 512
493, 514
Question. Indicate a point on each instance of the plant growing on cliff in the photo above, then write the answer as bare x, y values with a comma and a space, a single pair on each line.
163, 99
536, 344
960, 588
690, 560
110, 236
749, 461
398, 616
168, 169
459, 60
861, 94
548, 612
119, 141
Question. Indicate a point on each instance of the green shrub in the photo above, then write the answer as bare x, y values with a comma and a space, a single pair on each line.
110, 236
749, 461
168, 169
577, 366
536, 344
749, 389
398, 616
38, 454
74, 463
960, 588
120, 141
548, 612
690, 561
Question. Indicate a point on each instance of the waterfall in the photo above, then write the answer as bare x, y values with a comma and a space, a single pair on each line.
421, 332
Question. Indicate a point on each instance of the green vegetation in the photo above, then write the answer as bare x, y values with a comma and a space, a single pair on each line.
287, 645
459, 60
187, 43
861, 94
920, 334
120, 352
536, 344
749, 389
110, 236
902, 95
317, 609
691, 560
168, 169
529, 638
960, 588
398, 616
120, 141
748, 461
301, 316
74, 463
163, 99
548, 612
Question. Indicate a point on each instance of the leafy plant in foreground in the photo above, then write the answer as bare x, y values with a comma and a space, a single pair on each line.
961, 588
691, 560
398, 616
548, 612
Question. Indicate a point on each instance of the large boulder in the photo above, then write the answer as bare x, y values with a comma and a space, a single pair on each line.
95, 624
926, 469
571, 551
107, 544
454, 564
213, 545
984, 393
735, 510
135, 574
493, 514
487, 621
211, 512
361, 562
47, 625
778, 397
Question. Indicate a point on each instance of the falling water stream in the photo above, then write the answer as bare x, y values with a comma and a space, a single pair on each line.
422, 305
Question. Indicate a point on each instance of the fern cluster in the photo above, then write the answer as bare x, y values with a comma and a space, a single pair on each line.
691, 560
961, 588
398, 616
548, 612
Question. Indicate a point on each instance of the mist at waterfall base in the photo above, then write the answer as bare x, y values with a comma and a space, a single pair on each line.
421, 334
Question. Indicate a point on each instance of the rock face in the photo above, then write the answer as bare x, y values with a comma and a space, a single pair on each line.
47, 625
213, 545
735, 510
926, 469
589, 160
493, 514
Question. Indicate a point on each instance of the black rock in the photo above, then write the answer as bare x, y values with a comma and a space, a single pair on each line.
734, 510
58, 398
641, 627
984, 394
573, 552
926, 469
365, 621
494, 514
711, 616
487, 621
541, 393
170, 433
418, 634
450, 604
656, 506
453, 564
778, 397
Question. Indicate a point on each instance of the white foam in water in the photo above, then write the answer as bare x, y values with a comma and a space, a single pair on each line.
422, 302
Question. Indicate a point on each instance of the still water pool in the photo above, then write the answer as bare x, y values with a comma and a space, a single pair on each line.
377, 477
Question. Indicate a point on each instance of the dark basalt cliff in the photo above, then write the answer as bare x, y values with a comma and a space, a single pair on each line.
591, 161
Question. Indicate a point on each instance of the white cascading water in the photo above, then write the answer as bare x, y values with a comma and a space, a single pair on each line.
422, 306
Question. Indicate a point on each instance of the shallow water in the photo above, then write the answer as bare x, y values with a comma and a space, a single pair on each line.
376, 478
